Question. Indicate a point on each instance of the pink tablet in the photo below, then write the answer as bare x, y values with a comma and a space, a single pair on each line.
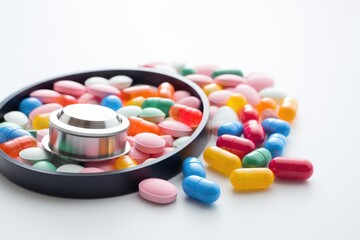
157, 190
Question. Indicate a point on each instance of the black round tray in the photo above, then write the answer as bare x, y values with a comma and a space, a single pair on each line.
113, 183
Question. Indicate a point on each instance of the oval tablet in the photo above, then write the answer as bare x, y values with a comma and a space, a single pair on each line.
120, 81
153, 115
157, 190
95, 80
191, 101
175, 128
69, 87
252, 96
129, 111
220, 98
149, 143
45, 165
180, 94
16, 117
273, 93
45, 95
34, 155
180, 141
137, 155
200, 79
70, 168
43, 109
102, 90
259, 81
229, 80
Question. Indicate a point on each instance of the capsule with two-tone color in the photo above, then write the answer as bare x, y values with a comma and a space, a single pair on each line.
236, 145
288, 109
251, 179
221, 160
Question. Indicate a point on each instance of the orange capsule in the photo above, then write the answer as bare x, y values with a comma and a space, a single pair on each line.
138, 91
288, 108
16, 145
266, 103
138, 125
124, 162
166, 90
65, 100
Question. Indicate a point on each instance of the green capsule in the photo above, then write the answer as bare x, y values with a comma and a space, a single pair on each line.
151, 114
227, 71
164, 104
257, 158
45, 166
186, 71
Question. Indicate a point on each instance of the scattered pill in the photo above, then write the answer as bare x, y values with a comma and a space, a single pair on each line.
193, 166
157, 190
251, 179
201, 189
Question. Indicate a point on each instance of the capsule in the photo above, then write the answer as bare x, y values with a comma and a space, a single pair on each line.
193, 166
287, 109
251, 179
165, 90
266, 103
236, 145
188, 115
138, 125
289, 168
276, 144
138, 91
138, 101
124, 161
254, 132
268, 113
41, 121
223, 115
16, 145
164, 104
212, 87
201, 189
257, 158
10, 132
248, 113
237, 101
232, 128
221, 160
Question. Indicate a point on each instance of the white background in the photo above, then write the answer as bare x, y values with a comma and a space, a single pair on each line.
312, 50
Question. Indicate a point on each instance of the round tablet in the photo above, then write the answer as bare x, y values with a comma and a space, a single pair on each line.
157, 190
70, 168
34, 154
149, 143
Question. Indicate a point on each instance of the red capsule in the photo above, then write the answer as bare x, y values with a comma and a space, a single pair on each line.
236, 145
166, 90
291, 168
254, 132
16, 145
188, 115
248, 113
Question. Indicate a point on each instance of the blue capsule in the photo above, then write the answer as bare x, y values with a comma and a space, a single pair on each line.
276, 144
201, 189
274, 125
112, 101
29, 104
10, 132
193, 166
234, 128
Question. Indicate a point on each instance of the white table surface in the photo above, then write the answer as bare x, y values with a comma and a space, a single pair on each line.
312, 50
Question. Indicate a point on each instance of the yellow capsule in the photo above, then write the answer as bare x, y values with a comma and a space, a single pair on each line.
250, 179
287, 109
124, 162
137, 101
221, 160
212, 87
236, 101
41, 121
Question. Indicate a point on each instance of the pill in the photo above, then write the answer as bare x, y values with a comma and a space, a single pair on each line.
287, 109
219, 72
40, 134
236, 145
69, 168
91, 170
14, 146
223, 115
206, 69
138, 156
113, 102
145, 91
9, 124
180, 94
251, 179
236, 101
221, 160
157, 190
193, 166
254, 132
201, 189
106, 166
200, 79
153, 115
220, 98
34, 154
180, 141
41, 121
124, 161
188, 115
259, 81
137, 101
95, 80
276, 144
69, 87
266, 103
248, 113
257, 158
28, 104
273, 125
232, 128
45, 166
165, 68
166, 150
164, 104
190, 101
252, 96
273, 93
131, 140
89, 99
185, 71
10, 132
210, 88
120, 81
45, 95
229, 80
65, 100
169, 140
289, 168
149, 143
138, 125
46, 108
102, 90
165, 90
175, 128
129, 111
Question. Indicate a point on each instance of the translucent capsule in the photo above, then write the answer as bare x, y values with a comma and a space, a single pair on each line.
14, 146
221, 160
276, 144
124, 161
201, 189
254, 132
251, 179
164, 104
273, 125
232, 128
287, 109
210, 88
248, 113
266, 103
138, 125
138, 91
289, 168
165, 90
188, 115
257, 158
236, 101
236, 145
193, 166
